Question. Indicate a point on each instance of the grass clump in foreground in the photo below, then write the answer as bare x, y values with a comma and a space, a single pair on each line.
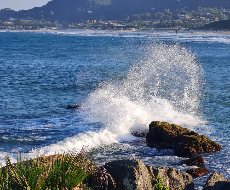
58, 172
158, 184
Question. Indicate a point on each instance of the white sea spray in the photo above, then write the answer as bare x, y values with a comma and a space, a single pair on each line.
163, 85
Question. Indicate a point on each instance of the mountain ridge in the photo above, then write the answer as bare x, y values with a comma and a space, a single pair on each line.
79, 10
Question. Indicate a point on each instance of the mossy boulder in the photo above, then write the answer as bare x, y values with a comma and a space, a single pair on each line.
162, 135
184, 142
193, 143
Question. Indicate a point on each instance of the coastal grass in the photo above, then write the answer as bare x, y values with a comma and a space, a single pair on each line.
59, 172
158, 184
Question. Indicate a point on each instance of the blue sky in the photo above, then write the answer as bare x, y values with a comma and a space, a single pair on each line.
22, 4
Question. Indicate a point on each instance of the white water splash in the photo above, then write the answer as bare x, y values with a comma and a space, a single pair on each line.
164, 85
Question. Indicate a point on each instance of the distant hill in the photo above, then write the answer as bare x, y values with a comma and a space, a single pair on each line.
220, 25
7, 13
78, 10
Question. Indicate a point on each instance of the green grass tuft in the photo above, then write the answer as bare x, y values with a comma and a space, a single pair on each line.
158, 184
59, 172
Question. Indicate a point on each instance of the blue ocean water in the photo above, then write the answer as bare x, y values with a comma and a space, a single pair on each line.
123, 81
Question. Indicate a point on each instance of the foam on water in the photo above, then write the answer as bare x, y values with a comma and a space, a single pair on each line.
163, 85
196, 36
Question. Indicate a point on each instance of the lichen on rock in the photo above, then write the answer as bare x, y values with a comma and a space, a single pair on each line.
184, 142
134, 174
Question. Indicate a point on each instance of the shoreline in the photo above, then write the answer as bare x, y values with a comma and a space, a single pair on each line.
149, 31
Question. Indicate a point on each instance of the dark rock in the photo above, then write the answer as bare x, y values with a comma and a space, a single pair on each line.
73, 107
100, 180
217, 181
194, 161
139, 133
133, 174
193, 143
162, 135
184, 142
197, 172
129, 174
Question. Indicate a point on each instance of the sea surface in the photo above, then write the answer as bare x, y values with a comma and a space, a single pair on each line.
123, 81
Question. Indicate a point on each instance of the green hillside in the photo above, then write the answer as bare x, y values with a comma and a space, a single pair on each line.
78, 10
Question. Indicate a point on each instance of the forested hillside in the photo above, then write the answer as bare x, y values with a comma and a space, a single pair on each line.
78, 10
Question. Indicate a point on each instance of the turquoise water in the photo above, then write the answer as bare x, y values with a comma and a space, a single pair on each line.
123, 82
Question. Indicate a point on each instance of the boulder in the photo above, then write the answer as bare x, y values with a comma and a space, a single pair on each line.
173, 178
194, 161
134, 174
193, 143
162, 135
184, 142
197, 172
217, 181
129, 174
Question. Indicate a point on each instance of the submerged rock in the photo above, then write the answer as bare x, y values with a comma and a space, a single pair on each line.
73, 107
197, 172
217, 181
134, 174
194, 161
184, 142
139, 133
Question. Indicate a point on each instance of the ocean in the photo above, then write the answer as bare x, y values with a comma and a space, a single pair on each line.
122, 81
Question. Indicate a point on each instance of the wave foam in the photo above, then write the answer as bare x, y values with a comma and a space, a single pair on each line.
164, 85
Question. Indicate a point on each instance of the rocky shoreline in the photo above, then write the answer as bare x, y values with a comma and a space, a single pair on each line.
134, 174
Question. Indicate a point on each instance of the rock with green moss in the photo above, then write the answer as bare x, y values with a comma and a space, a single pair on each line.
184, 142
193, 143
162, 135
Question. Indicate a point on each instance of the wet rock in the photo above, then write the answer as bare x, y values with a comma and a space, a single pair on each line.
134, 174
162, 135
194, 161
193, 143
197, 172
184, 142
73, 107
139, 133
217, 181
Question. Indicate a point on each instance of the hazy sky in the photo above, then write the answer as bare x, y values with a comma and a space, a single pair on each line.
22, 4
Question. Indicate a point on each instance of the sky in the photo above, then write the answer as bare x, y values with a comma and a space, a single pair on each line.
22, 4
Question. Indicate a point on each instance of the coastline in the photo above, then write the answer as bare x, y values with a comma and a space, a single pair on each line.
127, 32
162, 31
